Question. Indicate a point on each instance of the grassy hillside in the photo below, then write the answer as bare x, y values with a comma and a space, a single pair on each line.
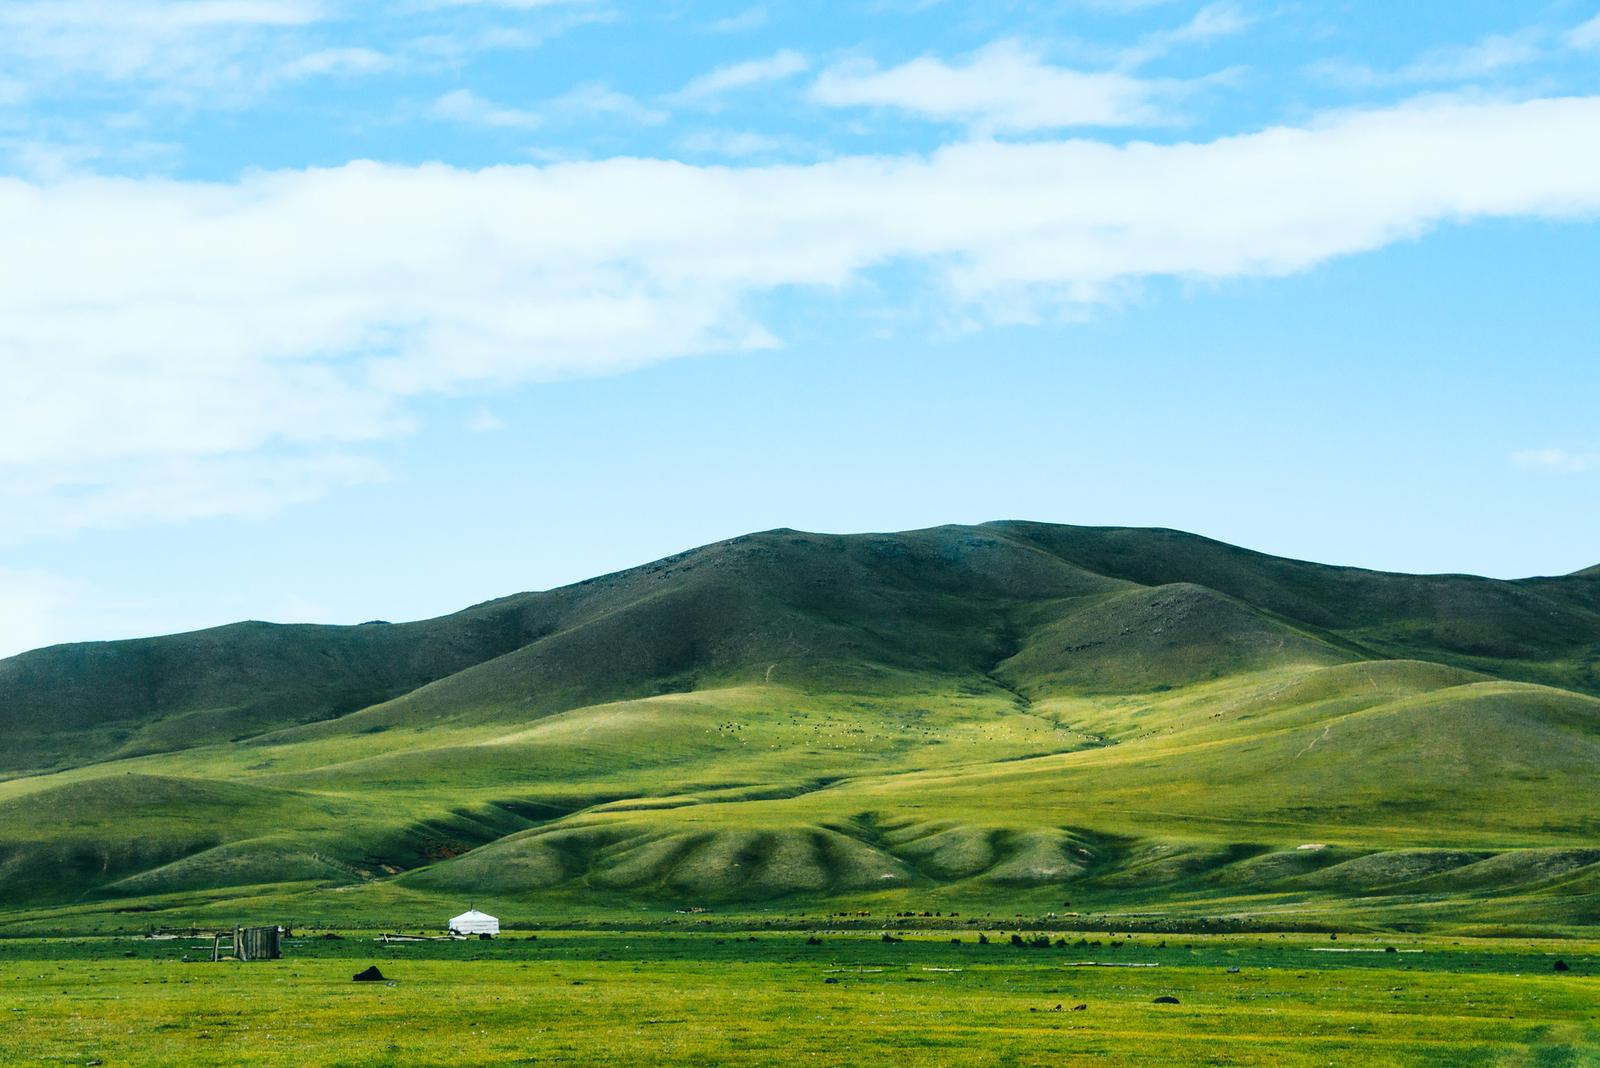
72, 703
999, 716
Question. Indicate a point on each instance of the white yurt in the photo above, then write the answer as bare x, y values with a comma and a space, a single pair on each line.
473, 922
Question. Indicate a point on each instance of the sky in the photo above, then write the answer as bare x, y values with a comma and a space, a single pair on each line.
328, 311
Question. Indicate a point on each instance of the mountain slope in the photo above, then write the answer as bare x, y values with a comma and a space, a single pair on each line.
1545, 630
977, 712
71, 703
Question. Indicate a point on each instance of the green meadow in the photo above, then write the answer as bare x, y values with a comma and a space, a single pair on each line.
738, 996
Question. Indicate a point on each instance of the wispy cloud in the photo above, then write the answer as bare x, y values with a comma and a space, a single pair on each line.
232, 53
1488, 56
54, 160
1562, 461
217, 347
1210, 23
1585, 37
334, 61
186, 45
776, 67
596, 99
732, 143
751, 18
153, 19
1005, 87
589, 101
138, 488
465, 106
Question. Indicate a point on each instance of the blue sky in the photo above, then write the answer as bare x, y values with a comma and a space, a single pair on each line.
325, 310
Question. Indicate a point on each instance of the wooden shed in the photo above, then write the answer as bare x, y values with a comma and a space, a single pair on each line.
248, 943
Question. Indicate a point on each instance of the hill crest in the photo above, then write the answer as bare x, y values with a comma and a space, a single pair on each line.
983, 711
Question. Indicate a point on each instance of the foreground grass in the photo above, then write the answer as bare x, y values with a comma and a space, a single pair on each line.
649, 997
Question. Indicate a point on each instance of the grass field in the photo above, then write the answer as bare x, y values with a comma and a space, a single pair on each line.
1227, 758
758, 997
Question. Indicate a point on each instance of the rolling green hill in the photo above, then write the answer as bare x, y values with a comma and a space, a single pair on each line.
989, 716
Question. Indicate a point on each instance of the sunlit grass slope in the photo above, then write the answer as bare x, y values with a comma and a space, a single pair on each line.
996, 716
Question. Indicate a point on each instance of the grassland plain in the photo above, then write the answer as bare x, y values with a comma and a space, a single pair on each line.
990, 719
737, 996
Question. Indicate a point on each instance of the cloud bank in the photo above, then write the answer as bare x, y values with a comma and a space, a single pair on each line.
175, 348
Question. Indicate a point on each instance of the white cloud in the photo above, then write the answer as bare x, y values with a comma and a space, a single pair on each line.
179, 44
589, 101
229, 53
1586, 36
776, 67
156, 19
53, 161
751, 18
1002, 87
1456, 63
50, 160
1558, 460
1211, 22
59, 498
733, 143
463, 105
186, 348
597, 100
337, 61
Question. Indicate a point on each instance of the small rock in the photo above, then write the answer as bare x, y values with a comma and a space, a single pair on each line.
1079, 1008
1164, 999
1233, 970
830, 979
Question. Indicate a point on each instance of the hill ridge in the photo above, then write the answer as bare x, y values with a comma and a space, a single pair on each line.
792, 591
974, 711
